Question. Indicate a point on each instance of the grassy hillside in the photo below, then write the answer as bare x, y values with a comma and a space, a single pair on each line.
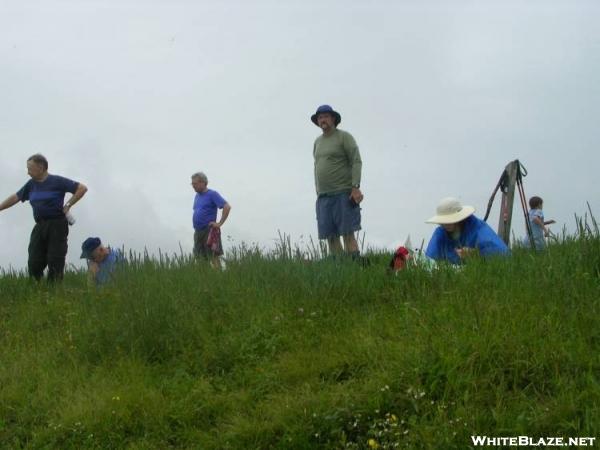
279, 353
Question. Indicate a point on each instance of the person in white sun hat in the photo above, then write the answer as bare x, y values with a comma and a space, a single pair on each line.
461, 234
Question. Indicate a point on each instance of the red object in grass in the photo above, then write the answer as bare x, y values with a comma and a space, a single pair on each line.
399, 259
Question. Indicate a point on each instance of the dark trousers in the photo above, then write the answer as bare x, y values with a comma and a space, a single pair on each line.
48, 247
200, 246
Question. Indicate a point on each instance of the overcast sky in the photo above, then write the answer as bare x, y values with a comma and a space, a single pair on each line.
132, 97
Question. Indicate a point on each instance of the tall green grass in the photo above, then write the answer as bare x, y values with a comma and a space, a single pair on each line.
284, 350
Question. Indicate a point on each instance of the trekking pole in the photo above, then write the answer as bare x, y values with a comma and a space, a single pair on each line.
500, 185
523, 199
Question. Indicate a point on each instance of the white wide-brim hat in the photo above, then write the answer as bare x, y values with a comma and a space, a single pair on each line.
450, 210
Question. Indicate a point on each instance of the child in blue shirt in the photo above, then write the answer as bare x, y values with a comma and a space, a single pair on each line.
538, 225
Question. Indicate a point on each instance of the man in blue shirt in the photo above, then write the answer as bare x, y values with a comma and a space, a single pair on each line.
46, 195
102, 261
461, 234
207, 234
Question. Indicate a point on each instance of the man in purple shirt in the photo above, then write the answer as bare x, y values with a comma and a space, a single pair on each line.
46, 195
206, 204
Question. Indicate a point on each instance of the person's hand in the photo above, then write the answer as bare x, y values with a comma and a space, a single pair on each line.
465, 252
94, 268
66, 208
214, 225
356, 196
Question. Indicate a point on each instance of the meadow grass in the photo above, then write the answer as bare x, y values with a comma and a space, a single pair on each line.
282, 352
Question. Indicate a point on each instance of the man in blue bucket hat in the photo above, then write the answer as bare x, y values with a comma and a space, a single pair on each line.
337, 179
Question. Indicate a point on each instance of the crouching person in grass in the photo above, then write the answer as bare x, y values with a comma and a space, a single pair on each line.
461, 234
207, 230
102, 261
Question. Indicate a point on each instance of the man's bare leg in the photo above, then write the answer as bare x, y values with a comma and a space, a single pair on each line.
335, 246
350, 244
215, 262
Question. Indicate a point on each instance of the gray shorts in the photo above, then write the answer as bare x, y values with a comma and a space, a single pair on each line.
337, 215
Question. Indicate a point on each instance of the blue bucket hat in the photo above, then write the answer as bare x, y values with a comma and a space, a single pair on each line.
326, 109
88, 247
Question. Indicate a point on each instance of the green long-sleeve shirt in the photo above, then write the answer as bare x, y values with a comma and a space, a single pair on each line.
337, 162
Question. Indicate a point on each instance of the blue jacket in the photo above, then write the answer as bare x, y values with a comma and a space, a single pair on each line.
475, 234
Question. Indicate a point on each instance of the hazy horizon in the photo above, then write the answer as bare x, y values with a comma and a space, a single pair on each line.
132, 98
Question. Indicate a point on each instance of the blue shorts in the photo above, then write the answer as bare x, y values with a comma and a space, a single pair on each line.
337, 215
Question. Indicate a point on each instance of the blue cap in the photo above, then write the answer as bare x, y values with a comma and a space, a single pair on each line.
88, 246
326, 109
